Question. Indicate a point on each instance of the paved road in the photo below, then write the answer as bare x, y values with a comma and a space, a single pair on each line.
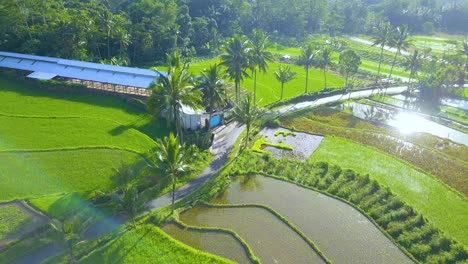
225, 137
336, 98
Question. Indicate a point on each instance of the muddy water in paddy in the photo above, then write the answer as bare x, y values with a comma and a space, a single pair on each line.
339, 230
270, 239
217, 243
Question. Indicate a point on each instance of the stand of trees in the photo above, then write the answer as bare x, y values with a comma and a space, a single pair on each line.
143, 31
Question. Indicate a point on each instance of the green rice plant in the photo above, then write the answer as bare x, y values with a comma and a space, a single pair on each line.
145, 244
397, 219
374, 200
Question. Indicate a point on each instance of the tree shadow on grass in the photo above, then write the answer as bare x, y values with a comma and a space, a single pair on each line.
91, 98
154, 129
126, 252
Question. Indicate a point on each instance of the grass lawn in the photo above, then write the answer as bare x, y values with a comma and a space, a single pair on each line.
148, 244
373, 66
438, 44
66, 142
433, 199
33, 174
62, 133
12, 220
269, 88
20, 100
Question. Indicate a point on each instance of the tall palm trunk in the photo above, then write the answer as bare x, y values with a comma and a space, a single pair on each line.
393, 63
173, 193
108, 44
177, 122
255, 86
325, 76
282, 90
237, 91
378, 69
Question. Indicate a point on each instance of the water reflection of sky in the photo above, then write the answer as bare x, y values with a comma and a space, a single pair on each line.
456, 103
407, 122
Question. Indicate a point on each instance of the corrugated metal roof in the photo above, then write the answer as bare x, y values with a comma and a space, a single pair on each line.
42, 75
119, 75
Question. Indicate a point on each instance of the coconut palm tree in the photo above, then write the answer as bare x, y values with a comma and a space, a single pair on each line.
259, 56
212, 84
123, 176
400, 43
413, 64
70, 232
130, 203
172, 91
236, 60
325, 60
349, 63
382, 38
171, 159
307, 59
284, 75
246, 112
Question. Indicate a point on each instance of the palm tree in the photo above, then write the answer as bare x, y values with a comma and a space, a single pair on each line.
307, 59
212, 85
171, 159
349, 63
236, 60
70, 233
107, 19
131, 203
383, 37
123, 176
172, 91
400, 42
284, 76
259, 56
246, 112
413, 63
325, 60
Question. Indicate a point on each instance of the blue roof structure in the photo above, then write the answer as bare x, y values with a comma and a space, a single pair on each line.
89, 71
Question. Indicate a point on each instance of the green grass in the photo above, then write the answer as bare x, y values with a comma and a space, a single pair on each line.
60, 133
438, 45
148, 244
373, 66
269, 89
20, 100
33, 174
58, 206
55, 143
12, 220
439, 204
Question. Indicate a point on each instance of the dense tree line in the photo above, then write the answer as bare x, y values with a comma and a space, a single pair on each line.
143, 31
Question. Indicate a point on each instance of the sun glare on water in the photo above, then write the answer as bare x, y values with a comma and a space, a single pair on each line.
407, 123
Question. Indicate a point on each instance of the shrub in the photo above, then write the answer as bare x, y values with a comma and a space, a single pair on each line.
396, 228
420, 251
321, 169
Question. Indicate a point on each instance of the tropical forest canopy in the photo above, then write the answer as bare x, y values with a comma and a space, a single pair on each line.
141, 32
